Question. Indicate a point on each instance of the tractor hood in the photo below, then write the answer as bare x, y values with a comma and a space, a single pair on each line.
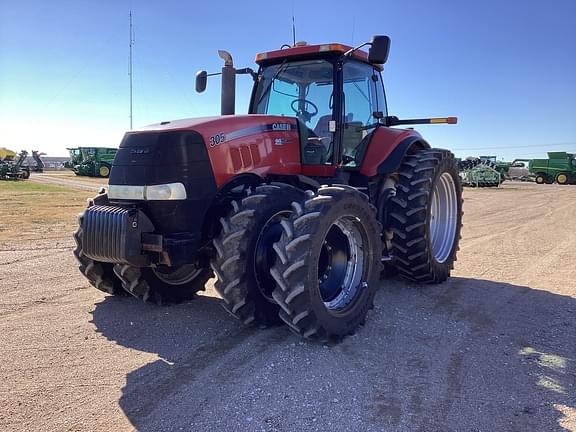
206, 150
232, 127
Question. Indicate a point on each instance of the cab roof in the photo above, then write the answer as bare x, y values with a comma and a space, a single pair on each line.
309, 50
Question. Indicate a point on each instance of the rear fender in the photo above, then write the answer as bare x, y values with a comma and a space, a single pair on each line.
387, 149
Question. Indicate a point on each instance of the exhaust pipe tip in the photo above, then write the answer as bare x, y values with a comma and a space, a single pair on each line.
227, 57
228, 95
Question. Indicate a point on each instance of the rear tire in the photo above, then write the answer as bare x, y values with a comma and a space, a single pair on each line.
162, 284
425, 216
244, 252
328, 265
100, 275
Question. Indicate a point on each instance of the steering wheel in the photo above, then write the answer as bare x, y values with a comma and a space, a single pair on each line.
305, 115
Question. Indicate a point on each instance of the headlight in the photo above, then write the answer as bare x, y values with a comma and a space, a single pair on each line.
126, 192
170, 191
163, 192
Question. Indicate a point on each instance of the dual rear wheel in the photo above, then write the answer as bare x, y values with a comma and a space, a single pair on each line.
327, 247
307, 259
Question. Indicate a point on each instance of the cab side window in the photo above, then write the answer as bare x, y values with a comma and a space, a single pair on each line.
363, 95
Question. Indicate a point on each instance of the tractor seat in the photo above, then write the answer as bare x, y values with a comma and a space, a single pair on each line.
322, 127
314, 152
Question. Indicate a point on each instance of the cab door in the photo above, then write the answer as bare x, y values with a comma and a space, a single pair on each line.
363, 102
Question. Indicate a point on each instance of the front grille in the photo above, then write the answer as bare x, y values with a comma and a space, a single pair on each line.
105, 232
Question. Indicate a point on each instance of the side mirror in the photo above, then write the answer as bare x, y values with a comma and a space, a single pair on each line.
201, 80
379, 49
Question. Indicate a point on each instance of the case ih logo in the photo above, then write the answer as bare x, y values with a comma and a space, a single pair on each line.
281, 126
139, 151
219, 138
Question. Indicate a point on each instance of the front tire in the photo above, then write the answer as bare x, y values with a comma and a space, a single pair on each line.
244, 252
163, 284
425, 216
328, 265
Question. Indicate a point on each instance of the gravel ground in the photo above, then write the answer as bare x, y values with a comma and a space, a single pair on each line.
493, 349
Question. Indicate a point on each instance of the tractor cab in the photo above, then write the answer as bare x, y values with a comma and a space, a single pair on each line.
75, 157
337, 98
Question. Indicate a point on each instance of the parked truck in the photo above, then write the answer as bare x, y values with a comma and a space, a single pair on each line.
560, 167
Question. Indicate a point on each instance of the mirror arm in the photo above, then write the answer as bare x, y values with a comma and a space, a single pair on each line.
351, 51
247, 71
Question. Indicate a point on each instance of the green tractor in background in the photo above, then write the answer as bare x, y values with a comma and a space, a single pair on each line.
515, 170
560, 167
91, 161
12, 165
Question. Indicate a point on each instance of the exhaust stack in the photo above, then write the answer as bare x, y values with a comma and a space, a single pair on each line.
228, 92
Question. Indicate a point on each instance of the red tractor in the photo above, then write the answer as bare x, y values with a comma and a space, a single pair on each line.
294, 207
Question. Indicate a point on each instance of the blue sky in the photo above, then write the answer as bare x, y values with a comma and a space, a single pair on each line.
507, 69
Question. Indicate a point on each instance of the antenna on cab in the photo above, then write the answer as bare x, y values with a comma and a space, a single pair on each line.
293, 31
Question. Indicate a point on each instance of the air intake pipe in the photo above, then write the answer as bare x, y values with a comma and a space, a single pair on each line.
228, 92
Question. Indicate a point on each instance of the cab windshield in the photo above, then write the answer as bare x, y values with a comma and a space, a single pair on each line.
304, 90
297, 89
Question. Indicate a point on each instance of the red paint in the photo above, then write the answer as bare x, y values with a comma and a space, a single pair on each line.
272, 151
319, 170
384, 141
310, 49
257, 153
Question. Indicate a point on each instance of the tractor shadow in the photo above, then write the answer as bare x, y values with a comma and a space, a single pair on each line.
469, 354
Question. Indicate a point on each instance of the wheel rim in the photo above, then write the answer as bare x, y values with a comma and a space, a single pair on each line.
443, 217
265, 256
341, 264
104, 171
177, 275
